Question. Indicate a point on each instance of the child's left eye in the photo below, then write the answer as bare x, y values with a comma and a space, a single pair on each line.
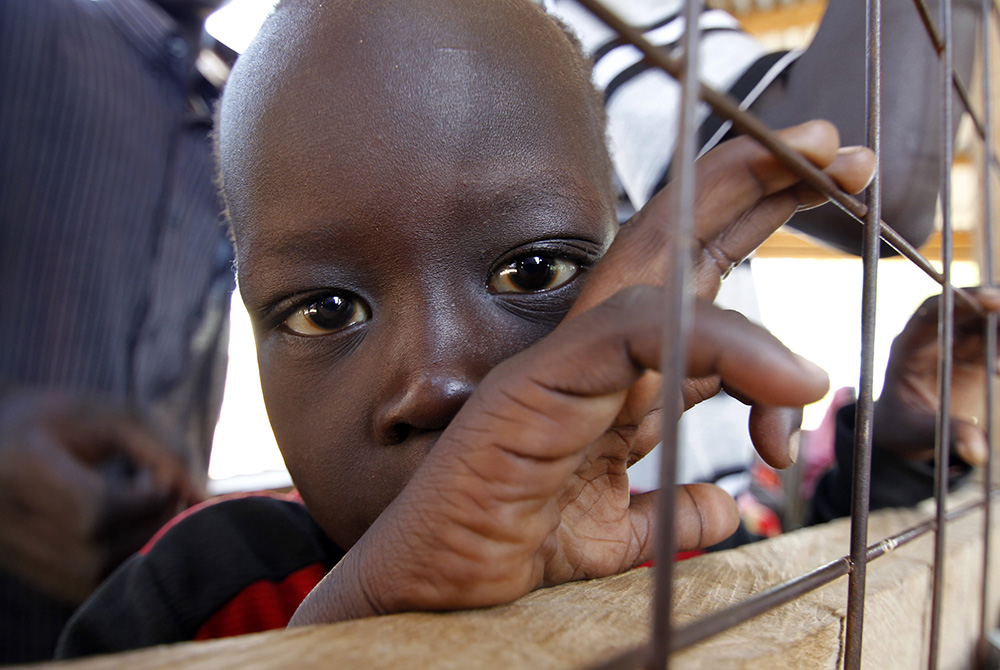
533, 273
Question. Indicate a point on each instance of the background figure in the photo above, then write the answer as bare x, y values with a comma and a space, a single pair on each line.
825, 81
115, 276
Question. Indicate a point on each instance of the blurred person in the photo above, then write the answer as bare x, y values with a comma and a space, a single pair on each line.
115, 277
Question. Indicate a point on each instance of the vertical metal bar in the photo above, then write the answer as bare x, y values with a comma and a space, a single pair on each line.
677, 318
945, 334
985, 625
863, 425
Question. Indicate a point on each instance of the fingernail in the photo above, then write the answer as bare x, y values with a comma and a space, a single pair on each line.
793, 445
854, 149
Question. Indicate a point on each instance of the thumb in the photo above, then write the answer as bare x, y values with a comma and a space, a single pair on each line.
704, 515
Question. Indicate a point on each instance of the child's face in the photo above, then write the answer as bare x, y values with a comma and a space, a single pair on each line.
412, 205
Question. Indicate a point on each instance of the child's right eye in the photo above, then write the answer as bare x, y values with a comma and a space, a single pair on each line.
328, 314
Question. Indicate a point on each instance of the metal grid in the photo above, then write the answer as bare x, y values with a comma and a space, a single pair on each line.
666, 639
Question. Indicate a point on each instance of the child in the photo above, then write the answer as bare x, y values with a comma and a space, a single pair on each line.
452, 350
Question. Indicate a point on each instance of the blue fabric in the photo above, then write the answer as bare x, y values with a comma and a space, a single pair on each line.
115, 268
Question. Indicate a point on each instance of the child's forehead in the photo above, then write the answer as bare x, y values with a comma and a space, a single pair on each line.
378, 91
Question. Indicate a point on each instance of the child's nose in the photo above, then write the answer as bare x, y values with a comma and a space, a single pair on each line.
434, 357
426, 401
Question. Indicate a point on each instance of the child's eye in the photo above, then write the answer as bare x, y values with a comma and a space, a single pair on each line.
326, 315
533, 273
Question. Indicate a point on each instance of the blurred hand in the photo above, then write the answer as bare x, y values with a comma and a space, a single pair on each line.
905, 412
83, 484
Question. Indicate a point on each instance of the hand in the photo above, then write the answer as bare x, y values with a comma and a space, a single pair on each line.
523, 489
905, 421
83, 484
743, 195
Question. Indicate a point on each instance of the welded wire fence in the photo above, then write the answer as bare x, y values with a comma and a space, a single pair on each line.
665, 638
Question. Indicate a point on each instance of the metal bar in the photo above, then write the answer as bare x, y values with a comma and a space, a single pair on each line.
963, 95
946, 315
985, 626
782, 593
938, 43
748, 124
861, 480
932, 30
762, 602
677, 319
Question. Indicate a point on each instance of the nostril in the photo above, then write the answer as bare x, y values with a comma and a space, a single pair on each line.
420, 403
399, 432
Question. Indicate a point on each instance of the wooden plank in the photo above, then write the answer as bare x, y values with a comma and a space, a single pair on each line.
799, 15
788, 244
573, 626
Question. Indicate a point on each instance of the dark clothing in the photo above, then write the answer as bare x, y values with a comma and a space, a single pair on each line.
895, 481
115, 270
234, 567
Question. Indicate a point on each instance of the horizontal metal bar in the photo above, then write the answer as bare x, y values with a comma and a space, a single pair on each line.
715, 623
785, 592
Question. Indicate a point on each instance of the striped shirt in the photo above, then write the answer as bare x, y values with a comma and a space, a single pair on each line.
642, 101
115, 270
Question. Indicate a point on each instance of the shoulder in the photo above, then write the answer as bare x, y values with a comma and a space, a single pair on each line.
229, 567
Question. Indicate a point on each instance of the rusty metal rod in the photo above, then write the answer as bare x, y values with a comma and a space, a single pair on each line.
946, 316
963, 91
938, 43
932, 30
985, 618
963, 95
677, 319
861, 479
748, 124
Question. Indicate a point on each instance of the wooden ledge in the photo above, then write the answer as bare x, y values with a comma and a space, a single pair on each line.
577, 624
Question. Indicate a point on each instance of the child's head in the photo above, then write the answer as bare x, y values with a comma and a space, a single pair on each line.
416, 188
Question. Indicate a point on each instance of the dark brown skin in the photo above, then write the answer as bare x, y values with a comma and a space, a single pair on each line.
398, 157
905, 412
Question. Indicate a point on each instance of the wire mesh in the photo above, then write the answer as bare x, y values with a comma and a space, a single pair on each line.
665, 639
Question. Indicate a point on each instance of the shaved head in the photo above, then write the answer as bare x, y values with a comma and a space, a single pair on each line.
398, 76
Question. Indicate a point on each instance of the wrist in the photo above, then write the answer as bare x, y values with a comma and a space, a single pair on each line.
340, 596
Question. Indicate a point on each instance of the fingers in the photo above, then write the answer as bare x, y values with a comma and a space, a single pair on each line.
99, 433
48, 507
740, 173
743, 194
771, 430
704, 515
852, 169
969, 442
751, 361
730, 180
545, 401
